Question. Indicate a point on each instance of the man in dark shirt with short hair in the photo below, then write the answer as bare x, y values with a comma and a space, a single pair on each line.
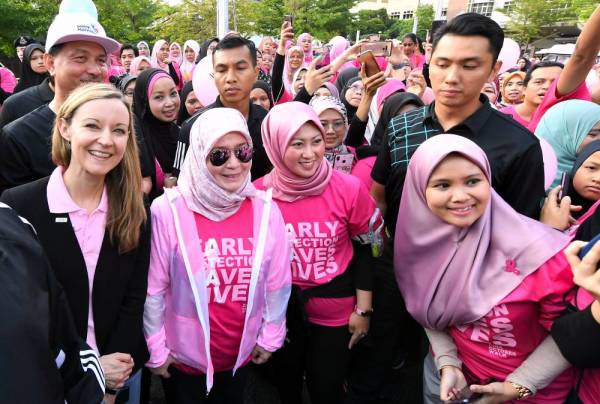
235, 72
22, 103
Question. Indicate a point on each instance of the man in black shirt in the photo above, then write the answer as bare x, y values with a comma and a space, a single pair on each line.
22, 103
235, 72
465, 53
76, 53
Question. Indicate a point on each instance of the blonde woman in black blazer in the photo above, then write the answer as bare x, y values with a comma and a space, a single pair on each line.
95, 190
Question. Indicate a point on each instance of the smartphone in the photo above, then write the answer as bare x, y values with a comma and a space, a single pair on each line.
368, 60
466, 396
588, 247
343, 162
379, 48
563, 184
289, 19
325, 59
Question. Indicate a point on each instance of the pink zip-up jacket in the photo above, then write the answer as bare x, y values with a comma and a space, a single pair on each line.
176, 311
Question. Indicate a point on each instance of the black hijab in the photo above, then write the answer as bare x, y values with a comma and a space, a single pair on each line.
204, 48
350, 109
390, 110
267, 89
160, 137
183, 112
29, 78
576, 198
344, 76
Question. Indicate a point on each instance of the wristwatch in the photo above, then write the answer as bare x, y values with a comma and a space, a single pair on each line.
524, 392
363, 313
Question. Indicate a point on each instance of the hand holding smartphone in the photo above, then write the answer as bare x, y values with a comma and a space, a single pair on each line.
368, 60
289, 19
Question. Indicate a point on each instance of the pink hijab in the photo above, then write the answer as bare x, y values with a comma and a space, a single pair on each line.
450, 276
135, 65
278, 128
154, 58
308, 56
390, 87
338, 46
178, 59
197, 185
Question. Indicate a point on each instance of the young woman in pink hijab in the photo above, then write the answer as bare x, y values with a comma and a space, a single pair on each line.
332, 219
219, 278
161, 60
175, 53
470, 267
305, 42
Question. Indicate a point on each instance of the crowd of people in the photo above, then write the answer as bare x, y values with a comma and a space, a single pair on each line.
406, 230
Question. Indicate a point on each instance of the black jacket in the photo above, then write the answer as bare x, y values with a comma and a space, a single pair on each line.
120, 280
43, 358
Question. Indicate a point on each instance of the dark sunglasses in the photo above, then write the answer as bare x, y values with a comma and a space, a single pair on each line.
219, 155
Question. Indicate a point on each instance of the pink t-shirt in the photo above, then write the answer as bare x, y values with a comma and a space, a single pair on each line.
227, 248
510, 110
495, 345
362, 170
417, 60
321, 228
589, 388
550, 100
89, 230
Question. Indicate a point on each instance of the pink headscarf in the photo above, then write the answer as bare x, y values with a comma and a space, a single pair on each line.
390, 87
197, 185
338, 46
135, 65
178, 59
278, 128
454, 276
308, 56
154, 58
287, 70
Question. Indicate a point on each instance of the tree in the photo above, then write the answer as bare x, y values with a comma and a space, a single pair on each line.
372, 21
268, 16
527, 18
425, 16
584, 8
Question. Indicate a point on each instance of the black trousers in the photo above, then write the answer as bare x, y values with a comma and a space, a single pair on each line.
322, 357
182, 388
387, 366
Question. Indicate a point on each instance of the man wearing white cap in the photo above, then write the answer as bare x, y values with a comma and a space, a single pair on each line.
77, 50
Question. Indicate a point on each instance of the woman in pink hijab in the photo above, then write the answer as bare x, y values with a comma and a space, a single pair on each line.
161, 60
470, 267
219, 277
176, 53
331, 219
305, 42
139, 64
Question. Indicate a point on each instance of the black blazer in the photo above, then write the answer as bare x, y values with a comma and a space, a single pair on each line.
120, 280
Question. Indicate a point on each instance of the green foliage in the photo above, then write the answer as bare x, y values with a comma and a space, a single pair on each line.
372, 21
584, 8
528, 17
425, 16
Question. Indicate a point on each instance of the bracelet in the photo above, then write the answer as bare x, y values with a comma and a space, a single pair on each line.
524, 392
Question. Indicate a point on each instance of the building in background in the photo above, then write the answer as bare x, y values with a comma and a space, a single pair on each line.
405, 9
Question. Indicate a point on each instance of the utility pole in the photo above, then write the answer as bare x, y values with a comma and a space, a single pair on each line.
222, 18
416, 18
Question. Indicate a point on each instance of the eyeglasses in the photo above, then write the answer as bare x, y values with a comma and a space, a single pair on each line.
128, 93
357, 89
219, 155
336, 125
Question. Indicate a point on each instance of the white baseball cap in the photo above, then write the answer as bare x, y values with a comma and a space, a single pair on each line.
78, 26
